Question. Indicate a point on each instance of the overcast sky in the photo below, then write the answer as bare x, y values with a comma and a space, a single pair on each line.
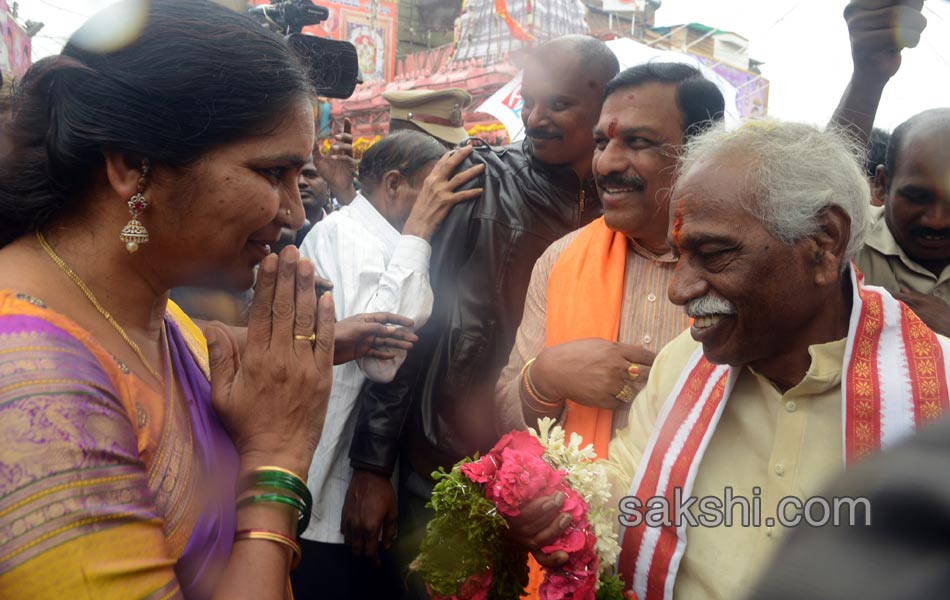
803, 43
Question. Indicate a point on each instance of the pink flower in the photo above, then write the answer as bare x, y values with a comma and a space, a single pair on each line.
484, 469
481, 471
513, 474
574, 504
573, 540
521, 478
522, 441
576, 578
587, 588
476, 587
565, 585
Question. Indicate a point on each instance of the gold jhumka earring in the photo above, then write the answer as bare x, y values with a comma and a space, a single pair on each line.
134, 233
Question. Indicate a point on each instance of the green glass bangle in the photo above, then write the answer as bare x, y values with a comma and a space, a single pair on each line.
276, 479
304, 510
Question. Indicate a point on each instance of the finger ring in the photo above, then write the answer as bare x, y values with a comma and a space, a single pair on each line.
633, 371
312, 338
625, 394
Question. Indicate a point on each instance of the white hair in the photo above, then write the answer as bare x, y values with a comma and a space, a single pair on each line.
793, 172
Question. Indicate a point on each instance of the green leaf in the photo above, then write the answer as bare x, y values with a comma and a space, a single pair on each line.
611, 588
466, 537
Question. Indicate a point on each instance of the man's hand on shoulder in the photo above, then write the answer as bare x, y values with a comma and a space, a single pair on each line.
438, 194
933, 311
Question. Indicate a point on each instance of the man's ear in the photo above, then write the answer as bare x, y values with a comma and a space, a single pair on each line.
123, 172
879, 187
830, 243
391, 182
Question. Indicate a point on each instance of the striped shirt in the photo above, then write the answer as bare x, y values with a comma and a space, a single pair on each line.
373, 269
647, 319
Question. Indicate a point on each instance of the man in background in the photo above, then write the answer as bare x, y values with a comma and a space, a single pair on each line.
908, 247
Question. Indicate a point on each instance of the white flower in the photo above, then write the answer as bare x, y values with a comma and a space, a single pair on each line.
588, 477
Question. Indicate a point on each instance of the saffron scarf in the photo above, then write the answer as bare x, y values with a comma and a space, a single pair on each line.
894, 379
585, 293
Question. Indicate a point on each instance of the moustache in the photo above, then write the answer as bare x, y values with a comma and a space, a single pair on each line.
928, 232
542, 134
621, 182
710, 304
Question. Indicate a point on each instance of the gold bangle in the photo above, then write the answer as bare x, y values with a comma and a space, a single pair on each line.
282, 470
272, 536
541, 404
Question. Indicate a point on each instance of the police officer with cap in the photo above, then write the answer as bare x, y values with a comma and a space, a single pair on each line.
435, 112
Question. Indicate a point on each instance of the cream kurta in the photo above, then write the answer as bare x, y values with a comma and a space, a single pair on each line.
786, 444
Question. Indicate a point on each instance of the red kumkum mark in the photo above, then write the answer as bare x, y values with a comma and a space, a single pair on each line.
612, 129
678, 227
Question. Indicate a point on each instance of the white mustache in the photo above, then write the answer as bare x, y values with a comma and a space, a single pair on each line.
710, 304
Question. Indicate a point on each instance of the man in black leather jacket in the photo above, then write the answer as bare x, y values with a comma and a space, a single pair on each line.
439, 408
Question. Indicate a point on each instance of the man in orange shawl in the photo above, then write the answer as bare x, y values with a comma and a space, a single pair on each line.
608, 280
620, 265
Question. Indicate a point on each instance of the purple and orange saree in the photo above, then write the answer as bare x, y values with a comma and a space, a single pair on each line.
107, 490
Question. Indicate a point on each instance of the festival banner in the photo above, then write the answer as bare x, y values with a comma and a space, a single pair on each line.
15, 51
505, 105
374, 36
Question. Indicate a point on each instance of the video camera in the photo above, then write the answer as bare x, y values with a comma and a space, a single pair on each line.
334, 65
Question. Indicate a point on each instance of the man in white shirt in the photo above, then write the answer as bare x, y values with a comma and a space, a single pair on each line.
376, 252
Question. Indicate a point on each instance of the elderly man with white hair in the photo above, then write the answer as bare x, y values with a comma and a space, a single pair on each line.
792, 368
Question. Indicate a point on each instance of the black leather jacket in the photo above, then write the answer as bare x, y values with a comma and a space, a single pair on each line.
481, 265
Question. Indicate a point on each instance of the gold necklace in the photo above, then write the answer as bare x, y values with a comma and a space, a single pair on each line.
102, 310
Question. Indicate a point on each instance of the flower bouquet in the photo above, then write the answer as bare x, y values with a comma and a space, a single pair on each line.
466, 554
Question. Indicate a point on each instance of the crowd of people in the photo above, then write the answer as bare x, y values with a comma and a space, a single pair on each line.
759, 310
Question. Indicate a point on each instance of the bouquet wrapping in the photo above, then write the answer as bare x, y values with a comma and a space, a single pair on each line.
466, 554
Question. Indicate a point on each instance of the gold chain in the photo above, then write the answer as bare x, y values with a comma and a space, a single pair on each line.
102, 310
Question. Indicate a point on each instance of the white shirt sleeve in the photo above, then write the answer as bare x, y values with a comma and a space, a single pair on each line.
363, 282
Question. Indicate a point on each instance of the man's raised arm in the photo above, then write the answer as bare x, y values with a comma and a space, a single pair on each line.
879, 30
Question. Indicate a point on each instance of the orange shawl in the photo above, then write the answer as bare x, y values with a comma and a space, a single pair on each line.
585, 291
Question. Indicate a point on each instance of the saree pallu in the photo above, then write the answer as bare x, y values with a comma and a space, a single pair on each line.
107, 489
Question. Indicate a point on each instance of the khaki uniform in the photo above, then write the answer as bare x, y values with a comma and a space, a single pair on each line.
884, 263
